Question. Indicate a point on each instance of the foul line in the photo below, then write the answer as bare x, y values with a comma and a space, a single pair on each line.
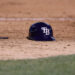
37, 19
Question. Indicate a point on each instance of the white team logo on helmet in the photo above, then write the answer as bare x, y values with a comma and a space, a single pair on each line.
45, 30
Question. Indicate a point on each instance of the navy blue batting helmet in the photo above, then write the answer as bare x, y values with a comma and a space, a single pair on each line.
41, 32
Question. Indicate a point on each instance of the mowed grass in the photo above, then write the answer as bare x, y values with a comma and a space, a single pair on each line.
60, 65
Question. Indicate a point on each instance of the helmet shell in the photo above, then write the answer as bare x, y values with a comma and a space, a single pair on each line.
41, 31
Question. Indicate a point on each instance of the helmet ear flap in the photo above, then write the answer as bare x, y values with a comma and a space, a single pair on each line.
32, 31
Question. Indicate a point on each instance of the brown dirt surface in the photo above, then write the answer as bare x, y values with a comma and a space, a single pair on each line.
18, 46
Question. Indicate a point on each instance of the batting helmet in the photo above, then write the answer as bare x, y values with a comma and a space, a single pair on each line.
41, 32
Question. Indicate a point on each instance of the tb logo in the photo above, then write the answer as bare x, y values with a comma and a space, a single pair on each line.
45, 30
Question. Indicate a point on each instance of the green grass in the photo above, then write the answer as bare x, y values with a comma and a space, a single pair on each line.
61, 65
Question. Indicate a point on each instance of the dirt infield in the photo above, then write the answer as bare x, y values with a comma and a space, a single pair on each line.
18, 46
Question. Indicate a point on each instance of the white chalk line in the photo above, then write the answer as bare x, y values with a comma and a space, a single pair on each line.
37, 19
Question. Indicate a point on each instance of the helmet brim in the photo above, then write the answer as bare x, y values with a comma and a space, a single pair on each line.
40, 39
